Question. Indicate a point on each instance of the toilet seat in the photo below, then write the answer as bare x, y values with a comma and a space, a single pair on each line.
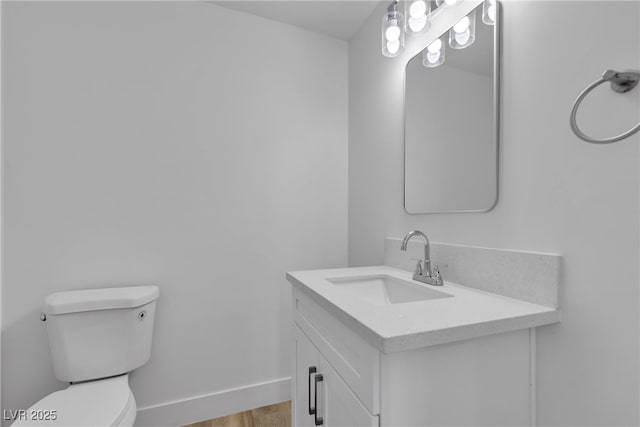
101, 403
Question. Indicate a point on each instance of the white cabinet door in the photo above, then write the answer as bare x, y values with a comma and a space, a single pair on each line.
305, 360
318, 388
339, 406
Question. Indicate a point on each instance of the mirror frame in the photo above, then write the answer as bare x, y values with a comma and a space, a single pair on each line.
497, 57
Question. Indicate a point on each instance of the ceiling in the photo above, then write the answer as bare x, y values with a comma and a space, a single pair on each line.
335, 18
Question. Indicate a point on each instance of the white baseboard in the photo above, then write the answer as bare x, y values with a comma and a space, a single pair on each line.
214, 405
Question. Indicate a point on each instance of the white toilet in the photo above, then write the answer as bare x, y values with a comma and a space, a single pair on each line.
96, 337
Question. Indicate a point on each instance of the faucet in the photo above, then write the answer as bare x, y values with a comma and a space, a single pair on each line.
423, 272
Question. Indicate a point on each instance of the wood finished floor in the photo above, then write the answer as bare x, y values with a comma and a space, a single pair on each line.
278, 415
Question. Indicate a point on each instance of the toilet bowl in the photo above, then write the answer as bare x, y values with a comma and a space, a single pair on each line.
108, 402
96, 337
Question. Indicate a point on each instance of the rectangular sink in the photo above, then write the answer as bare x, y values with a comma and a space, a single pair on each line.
381, 289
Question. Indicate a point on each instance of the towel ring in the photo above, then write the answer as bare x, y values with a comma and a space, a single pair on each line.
621, 82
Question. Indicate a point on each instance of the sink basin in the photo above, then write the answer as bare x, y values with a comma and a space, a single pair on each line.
382, 289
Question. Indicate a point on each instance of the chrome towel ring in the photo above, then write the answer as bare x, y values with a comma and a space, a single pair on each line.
621, 82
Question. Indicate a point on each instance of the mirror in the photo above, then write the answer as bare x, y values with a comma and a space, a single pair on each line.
451, 127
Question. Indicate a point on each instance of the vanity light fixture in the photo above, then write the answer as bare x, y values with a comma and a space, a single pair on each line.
463, 33
418, 20
417, 13
489, 12
392, 31
433, 55
448, 2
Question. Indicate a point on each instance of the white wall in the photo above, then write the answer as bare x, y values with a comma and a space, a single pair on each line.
179, 144
557, 193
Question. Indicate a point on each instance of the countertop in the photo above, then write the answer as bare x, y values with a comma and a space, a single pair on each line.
470, 313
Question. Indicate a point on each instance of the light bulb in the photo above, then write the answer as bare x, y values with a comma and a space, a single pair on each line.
393, 46
433, 57
392, 32
462, 25
463, 33
417, 24
434, 47
489, 12
417, 9
462, 38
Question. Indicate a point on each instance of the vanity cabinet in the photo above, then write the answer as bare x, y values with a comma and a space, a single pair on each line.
322, 397
481, 381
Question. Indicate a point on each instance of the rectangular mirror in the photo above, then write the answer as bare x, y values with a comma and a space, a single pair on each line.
451, 125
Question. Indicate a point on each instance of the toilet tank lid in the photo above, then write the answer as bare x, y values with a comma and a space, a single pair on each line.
99, 299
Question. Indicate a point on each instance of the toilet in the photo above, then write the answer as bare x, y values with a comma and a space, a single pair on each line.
96, 337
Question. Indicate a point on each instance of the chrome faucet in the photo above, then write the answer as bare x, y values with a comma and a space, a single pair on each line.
423, 272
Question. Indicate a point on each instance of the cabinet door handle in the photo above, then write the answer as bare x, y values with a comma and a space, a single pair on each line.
316, 380
312, 370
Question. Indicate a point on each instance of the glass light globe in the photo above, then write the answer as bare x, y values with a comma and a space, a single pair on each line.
463, 33
462, 38
417, 24
392, 33
491, 11
462, 25
434, 47
433, 57
417, 9
393, 46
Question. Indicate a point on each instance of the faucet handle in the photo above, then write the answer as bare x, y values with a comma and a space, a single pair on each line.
418, 271
437, 276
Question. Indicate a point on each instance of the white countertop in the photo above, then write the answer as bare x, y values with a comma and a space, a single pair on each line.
391, 328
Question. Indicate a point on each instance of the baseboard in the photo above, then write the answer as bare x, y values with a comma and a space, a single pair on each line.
214, 405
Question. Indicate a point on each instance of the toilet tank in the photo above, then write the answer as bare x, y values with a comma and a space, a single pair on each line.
98, 333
